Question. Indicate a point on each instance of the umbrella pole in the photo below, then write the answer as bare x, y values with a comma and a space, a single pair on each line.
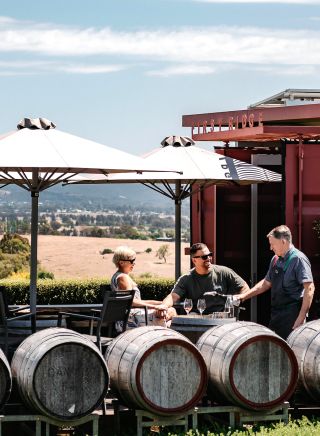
34, 243
178, 230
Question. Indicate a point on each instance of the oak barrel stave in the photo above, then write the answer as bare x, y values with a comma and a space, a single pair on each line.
60, 373
5, 379
156, 369
305, 343
248, 365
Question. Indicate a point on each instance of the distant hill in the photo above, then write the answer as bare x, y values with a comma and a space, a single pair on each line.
104, 196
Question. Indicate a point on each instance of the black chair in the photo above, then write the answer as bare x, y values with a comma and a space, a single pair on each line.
12, 329
105, 288
113, 316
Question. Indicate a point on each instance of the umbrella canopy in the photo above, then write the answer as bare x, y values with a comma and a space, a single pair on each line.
37, 156
199, 167
53, 151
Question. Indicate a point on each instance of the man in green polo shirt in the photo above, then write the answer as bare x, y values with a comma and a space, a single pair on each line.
206, 277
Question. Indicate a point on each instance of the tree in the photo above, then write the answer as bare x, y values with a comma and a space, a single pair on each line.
163, 252
14, 254
44, 228
55, 225
13, 243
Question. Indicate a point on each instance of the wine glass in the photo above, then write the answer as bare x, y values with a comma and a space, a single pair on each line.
187, 305
229, 306
201, 305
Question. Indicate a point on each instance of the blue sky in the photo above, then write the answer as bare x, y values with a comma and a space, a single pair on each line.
124, 72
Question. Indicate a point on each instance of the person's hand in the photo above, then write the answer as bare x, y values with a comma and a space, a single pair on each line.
236, 299
161, 311
298, 322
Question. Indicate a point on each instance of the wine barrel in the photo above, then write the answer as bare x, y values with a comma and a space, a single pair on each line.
193, 326
305, 343
248, 365
5, 379
60, 374
156, 369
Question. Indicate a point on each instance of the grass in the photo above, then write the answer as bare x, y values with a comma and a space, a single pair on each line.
299, 427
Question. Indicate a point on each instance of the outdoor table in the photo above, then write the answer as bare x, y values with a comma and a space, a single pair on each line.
56, 308
51, 311
47, 314
193, 325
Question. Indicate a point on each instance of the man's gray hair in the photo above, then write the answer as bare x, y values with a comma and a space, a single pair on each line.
281, 232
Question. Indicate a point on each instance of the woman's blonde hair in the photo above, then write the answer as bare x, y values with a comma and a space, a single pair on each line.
122, 253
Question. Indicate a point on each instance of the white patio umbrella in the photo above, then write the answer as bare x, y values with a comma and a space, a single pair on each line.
37, 156
199, 167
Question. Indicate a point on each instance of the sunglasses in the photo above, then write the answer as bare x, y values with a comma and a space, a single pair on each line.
203, 257
129, 260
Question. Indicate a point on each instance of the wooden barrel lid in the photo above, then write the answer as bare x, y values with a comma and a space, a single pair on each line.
263, 372
248, 365
178, 376
60, 373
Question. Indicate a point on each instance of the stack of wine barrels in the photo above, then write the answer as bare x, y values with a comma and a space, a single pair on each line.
60, 373
156, 369
5, 379
305, 343
248, 366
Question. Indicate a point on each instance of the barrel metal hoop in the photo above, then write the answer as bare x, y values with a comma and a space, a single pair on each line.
8, 379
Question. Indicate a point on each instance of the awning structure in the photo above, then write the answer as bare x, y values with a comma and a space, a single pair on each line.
256, 124
260, 133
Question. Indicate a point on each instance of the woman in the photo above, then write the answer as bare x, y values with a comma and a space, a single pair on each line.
124, 259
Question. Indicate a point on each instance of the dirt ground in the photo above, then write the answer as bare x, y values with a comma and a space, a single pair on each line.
79, 257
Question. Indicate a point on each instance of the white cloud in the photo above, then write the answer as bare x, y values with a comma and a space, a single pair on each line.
91, 69
292, 70
183, 70
219, 44
10, 68
8, 20
197, 50
275, 70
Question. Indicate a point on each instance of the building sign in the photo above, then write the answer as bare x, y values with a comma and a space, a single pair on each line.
256, 123
241, 121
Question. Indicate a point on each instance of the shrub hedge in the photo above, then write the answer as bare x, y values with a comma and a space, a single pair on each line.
78, 291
